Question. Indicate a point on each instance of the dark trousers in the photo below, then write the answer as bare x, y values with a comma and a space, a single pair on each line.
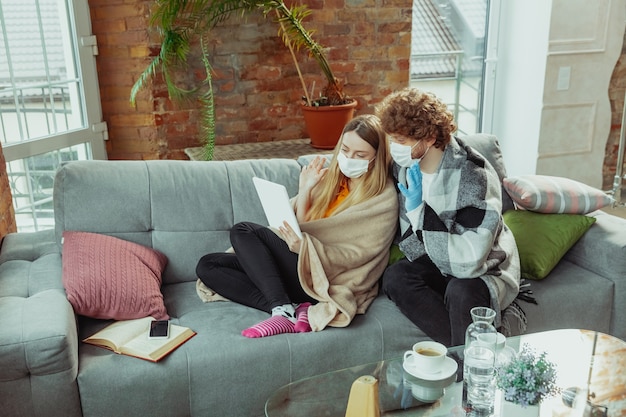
437, 304
262, 273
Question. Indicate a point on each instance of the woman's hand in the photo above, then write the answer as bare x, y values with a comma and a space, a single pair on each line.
291, 238
312, 174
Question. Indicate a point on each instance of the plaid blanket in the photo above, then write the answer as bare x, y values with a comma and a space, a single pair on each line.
460, 227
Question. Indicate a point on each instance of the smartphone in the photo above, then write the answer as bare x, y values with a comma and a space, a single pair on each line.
159, 329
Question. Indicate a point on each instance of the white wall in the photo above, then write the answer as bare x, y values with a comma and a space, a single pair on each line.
518, 98
547, 128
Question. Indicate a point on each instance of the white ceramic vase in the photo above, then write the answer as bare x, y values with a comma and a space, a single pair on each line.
510, 409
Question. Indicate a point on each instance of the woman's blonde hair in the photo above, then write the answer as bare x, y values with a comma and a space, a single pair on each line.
370, 184
418, 115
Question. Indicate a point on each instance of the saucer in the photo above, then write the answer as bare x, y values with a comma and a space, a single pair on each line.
425, 394
447, 370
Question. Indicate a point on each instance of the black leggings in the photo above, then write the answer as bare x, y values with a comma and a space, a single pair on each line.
262, 273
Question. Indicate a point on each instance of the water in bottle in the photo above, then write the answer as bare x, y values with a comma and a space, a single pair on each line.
479, 363
479, 380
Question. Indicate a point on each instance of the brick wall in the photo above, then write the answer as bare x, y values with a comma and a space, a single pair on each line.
617, 88
256, 84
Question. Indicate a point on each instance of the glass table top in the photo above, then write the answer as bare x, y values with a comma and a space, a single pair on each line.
583, 359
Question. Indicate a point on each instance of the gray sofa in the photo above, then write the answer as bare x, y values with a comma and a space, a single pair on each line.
185, 209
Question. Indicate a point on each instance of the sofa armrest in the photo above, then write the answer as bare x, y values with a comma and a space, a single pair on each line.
38, 334
602, 250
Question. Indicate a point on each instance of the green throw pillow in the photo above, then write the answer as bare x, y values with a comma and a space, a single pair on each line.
543, 239
395, 254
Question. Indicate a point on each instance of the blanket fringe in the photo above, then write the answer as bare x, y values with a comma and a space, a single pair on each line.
525, 293
514, 321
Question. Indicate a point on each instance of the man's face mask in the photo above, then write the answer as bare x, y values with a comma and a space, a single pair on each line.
401, 154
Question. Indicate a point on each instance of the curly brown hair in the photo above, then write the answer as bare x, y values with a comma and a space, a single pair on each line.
416, 114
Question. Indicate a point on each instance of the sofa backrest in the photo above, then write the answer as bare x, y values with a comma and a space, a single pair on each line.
181, 208
184, 209
488, 146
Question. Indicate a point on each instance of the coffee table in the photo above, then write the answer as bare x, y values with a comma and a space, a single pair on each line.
583, 359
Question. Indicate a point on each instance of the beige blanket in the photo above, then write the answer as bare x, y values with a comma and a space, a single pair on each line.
342, 272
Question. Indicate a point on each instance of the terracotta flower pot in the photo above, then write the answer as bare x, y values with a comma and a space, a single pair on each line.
324, 124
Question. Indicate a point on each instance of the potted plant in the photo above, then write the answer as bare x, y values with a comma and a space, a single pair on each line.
326, 115
527, 380
184, 24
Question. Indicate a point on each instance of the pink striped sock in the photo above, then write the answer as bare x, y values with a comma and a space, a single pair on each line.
302, 314
270, 327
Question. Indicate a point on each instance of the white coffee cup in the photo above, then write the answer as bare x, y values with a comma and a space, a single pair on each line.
427, 357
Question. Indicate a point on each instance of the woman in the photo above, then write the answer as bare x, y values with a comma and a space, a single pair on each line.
347, 213
458, 252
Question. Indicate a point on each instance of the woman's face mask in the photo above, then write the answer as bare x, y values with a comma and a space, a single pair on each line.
352, 168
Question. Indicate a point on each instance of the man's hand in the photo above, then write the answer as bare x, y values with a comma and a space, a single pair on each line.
412, 193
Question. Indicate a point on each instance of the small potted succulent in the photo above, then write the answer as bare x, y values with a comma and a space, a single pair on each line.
528, 379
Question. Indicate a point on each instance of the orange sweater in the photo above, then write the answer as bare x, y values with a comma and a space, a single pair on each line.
341, 195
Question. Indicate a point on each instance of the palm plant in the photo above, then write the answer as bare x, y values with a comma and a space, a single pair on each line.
182, 24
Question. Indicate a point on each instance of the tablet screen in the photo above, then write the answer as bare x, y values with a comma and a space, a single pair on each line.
275, 202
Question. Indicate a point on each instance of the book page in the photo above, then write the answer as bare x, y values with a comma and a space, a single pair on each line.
121, 332
143, 346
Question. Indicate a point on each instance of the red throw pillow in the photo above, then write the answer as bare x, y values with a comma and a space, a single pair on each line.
110, 278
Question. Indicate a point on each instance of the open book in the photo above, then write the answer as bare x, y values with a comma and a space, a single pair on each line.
130, 337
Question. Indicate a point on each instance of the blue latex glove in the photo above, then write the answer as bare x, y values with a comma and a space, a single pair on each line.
412, 193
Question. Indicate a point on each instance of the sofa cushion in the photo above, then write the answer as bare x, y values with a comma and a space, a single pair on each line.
211, 373
572, 297
549, 194
110, 278
543, 239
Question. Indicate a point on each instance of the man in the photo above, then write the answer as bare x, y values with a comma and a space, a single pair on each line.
458, 252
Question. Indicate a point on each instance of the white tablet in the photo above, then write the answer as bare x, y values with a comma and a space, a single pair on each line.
275, 202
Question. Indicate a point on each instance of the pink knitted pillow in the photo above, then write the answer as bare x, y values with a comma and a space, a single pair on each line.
110, 278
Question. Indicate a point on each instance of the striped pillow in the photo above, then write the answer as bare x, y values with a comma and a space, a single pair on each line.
548, 194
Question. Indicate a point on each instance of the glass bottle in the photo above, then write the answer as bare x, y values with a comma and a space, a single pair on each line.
479, 358
482, 324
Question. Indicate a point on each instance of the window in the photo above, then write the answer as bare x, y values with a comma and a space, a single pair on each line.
448, 55
49, 99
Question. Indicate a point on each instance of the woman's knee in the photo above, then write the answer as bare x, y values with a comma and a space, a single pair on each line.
208, 263
244, 228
